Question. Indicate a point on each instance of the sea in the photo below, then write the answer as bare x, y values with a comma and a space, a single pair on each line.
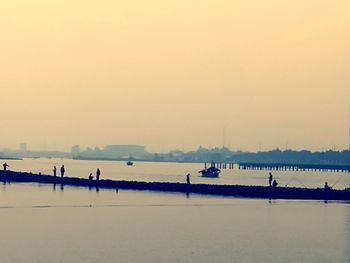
43, 223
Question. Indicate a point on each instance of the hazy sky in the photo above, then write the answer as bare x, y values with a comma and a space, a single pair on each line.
175, 74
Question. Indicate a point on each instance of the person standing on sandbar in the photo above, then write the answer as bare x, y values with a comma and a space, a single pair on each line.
63, 170
98, 173
188, 180
5, 165
274, 184
270, 179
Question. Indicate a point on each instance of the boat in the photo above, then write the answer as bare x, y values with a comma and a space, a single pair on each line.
211, 172
129, 163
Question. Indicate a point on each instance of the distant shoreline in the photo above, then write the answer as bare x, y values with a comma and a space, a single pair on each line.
201, 155
133, 159
10, 159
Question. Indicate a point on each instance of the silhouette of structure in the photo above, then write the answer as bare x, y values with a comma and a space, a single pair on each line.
294, 167
208, 189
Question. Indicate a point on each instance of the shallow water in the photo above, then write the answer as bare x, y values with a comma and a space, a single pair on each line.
42, 223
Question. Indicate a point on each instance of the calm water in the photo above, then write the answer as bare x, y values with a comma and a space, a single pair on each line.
45, 224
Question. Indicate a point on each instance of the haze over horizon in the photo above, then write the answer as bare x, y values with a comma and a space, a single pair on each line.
175, 74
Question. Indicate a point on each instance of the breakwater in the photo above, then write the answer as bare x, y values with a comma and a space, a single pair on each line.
208, 189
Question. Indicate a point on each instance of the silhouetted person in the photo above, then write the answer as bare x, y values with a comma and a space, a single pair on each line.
98, 173
274, 183
5, 165
270, 179
63, 170
55, 171
188, 180
326, 187
91, 177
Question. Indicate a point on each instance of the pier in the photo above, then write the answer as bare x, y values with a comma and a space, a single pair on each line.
220, 165
294, 167
245, 191
282, 167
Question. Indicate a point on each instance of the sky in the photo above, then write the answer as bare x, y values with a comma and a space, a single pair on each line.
245, 74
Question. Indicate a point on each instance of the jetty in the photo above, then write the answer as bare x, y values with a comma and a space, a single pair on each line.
302, 167
294, 167
206, 189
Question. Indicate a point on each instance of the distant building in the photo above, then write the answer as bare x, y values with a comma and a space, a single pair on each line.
23, 147
120, 151
75, 150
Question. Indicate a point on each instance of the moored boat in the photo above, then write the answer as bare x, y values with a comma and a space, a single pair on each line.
211, 172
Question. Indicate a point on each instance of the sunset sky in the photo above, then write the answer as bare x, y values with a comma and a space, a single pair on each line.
175, 74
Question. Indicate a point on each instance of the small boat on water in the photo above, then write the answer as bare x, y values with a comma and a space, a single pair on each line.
129, 163
211, 172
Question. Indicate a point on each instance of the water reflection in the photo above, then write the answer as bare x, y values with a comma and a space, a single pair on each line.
261, 230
